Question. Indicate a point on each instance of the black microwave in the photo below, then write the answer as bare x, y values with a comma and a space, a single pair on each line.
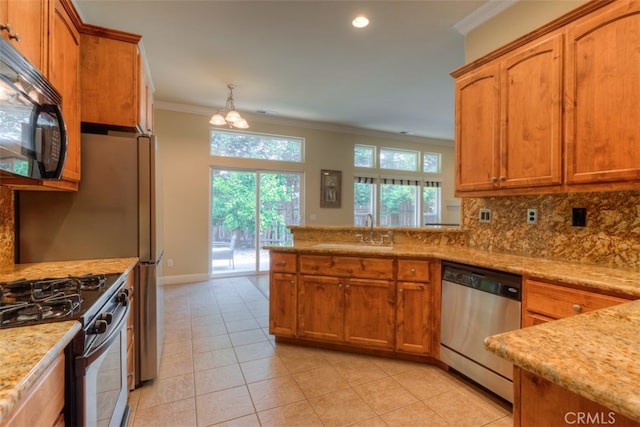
33, 137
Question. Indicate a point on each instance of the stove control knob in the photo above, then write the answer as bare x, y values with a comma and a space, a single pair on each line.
100, 327
123, 297
107, 317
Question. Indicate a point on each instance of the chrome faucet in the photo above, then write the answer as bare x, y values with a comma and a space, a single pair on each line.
368, 222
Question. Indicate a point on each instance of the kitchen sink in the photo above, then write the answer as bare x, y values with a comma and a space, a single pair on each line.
353, 246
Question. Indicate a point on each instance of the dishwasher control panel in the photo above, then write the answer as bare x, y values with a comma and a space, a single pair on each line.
496, 282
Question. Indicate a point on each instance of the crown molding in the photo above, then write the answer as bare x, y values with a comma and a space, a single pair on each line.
482, 15
305, 124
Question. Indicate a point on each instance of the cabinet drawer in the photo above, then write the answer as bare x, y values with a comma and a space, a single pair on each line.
413, 270
557, 301
283, 263
368, 268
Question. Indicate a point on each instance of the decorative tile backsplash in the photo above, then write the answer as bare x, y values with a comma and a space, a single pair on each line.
611, 235
6, 227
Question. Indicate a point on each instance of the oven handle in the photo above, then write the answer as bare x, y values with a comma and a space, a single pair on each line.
87, 359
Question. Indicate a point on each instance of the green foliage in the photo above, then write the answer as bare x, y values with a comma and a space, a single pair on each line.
254, 146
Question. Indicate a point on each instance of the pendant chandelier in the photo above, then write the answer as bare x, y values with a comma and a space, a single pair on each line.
229, 116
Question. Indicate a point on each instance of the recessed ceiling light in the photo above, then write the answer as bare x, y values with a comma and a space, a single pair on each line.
360, 21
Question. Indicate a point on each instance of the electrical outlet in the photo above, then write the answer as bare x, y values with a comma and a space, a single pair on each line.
579, 217
169, 263
485, 215
532, 216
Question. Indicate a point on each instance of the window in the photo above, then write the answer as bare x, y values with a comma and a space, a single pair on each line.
402, 160
412, 200
364, 156
256, 146
431, 162
398, 203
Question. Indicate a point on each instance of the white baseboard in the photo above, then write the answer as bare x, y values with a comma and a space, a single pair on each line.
183, 278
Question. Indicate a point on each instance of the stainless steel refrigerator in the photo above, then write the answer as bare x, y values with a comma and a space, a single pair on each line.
116, 213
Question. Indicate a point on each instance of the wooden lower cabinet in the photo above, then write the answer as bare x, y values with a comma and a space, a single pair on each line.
413, 321
321, 308
369, 312
374, 303
355, 311
544, 404
283, 304
44, 402
544, 301
417, 306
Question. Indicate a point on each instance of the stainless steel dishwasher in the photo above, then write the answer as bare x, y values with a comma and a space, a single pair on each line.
477, 303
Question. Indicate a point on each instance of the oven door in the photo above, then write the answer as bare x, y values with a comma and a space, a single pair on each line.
101, 375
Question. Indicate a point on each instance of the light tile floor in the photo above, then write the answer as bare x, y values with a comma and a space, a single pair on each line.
220, 367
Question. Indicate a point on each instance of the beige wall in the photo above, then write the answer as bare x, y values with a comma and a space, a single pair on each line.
183, 140
516, 21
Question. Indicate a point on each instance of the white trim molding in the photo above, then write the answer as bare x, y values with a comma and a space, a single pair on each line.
482, 15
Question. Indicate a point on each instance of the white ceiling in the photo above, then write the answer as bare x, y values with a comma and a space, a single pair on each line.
303, 59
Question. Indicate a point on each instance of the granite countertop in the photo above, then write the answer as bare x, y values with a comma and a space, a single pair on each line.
25, 354
594, 355
597, 277
27, 351
41, 270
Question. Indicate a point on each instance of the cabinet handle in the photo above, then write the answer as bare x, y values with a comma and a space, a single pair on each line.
494, 179
577, 308
503, 178
12, 35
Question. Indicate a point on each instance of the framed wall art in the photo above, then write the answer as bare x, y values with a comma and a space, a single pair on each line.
330, 188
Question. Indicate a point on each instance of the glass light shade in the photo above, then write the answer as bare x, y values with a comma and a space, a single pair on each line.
218, 120
241, 123
232, 116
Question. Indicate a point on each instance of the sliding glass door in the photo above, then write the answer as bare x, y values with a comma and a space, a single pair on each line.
251, 209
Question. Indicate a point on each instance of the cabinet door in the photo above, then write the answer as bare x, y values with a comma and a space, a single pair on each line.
28, 20
543, 404
64, 74
370, 312
531, 95
321, 307
477, 129
602, 92
282, 304
109, 81
413, 318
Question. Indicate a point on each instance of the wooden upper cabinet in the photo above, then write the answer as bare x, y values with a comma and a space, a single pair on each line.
112, 74
28, 21
64, 74
602, 93
509, 120
531, 99
477, 129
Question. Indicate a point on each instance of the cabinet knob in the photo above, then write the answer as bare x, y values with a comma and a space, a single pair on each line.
400, 290
13, 36
282, 263
293, 282
413, 271
577, 308
503, 178
340, 284
347, 287
494, 179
